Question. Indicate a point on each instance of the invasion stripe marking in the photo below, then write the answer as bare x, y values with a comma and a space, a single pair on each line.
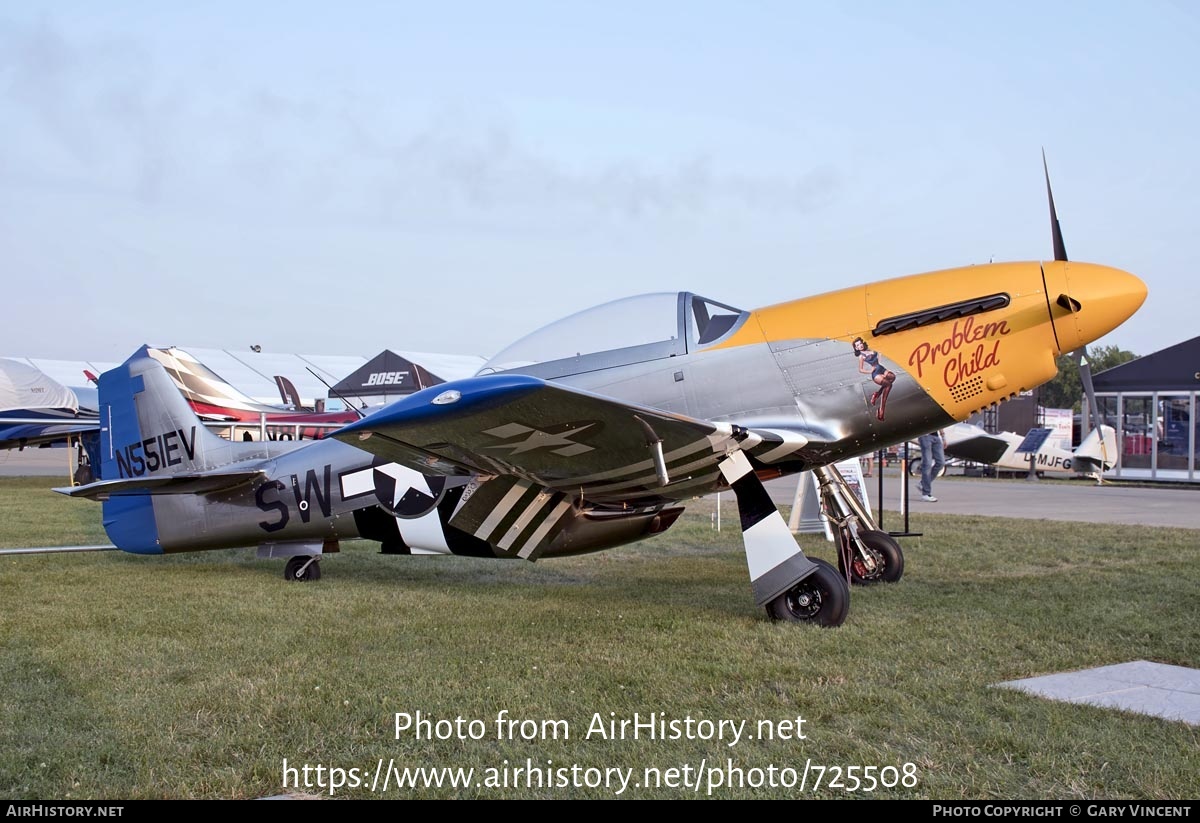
702, 484
535, 539
507, 502
641, 480
643, 465
769, 542
688, 487
754, 503
528, 498
424, 534
538, 522
644, 472
524, 520
791, 442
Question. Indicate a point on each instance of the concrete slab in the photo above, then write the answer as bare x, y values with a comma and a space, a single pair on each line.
1157, 689
35, 462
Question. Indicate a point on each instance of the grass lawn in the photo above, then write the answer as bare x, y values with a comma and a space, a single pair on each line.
197, 675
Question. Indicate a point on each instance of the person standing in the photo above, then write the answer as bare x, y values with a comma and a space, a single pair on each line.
933, 460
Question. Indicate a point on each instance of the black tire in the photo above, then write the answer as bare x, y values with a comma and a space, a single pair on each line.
291, 571
822, 598
888, 557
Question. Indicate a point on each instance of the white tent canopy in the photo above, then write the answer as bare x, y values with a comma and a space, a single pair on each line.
253, 373
24, 387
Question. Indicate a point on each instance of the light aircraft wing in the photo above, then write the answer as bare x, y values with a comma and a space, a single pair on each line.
981, 448
562, 439
20, 432
183, 483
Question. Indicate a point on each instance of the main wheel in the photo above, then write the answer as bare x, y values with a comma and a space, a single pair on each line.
292, 571
914, 468
884, 551
822, 598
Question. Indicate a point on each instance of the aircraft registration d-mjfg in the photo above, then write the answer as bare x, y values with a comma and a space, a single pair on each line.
595, 431
966, 441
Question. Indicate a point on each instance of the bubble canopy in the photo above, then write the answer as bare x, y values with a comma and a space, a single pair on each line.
625, 331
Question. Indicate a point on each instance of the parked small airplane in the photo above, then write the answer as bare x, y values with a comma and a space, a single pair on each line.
36, 410
595, 430
216, 401
967, 441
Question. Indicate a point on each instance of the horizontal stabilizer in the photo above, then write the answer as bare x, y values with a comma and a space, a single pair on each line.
107, 547
982, 449
186, 483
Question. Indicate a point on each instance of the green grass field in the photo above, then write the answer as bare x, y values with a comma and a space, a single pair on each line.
197, 675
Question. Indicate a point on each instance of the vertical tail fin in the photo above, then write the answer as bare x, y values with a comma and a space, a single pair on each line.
156, 458
148, 429
288, 393
1099, 447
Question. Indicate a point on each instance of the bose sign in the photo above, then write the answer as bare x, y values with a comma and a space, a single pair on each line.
386, 378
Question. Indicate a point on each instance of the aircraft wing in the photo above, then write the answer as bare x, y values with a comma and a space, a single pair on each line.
185, 483
21, 432
982, 448
561, 439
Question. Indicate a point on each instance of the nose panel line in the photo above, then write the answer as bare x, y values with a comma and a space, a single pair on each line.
1050, 309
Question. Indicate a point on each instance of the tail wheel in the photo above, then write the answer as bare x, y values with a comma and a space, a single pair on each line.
822, 598
886, 556
302, 568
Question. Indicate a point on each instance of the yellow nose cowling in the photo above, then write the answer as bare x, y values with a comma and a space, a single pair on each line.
1087, 300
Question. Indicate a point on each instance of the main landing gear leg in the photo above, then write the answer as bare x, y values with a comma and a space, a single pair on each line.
865, 553
789, 585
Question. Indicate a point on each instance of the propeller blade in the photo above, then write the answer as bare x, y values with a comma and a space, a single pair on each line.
1060, 248
1085, 377
1071, 304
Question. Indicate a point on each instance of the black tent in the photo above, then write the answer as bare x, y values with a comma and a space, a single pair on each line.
386, 375
1175, 368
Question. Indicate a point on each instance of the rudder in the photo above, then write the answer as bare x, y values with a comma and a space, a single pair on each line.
1100, 447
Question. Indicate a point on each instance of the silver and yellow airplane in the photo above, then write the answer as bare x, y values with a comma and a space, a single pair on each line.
596, 430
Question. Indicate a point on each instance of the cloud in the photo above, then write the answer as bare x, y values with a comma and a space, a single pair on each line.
98, 113
490, 170
82, 111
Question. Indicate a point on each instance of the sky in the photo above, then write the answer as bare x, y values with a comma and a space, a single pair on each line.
446, 177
